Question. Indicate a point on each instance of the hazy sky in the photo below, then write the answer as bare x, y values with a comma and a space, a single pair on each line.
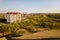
30, 5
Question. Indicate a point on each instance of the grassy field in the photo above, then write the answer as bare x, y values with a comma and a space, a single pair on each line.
35, 26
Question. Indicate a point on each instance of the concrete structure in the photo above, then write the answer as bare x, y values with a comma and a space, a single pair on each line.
13, 17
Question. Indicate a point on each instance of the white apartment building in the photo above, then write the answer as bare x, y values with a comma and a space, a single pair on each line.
13, 17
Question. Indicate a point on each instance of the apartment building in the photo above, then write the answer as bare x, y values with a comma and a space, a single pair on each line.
13, 17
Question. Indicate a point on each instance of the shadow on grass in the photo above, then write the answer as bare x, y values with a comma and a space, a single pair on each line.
40, 39
3, 20
50, 39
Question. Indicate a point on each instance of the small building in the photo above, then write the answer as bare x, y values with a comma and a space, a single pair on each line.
13, 17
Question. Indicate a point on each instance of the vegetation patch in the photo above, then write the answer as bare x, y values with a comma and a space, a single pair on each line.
32, 25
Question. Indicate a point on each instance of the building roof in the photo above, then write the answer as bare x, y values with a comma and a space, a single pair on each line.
13, 12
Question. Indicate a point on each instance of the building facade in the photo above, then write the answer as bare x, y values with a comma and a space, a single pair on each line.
13, 17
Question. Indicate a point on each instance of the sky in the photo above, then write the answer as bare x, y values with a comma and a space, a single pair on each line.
30, 6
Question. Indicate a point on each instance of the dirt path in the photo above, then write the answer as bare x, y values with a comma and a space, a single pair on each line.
43, 34
3, 38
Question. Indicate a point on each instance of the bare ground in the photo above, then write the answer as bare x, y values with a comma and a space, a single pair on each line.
43, 34
3, 38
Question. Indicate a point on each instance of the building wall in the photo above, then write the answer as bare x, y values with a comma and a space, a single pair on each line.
18, 17
8, 18
13, 18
